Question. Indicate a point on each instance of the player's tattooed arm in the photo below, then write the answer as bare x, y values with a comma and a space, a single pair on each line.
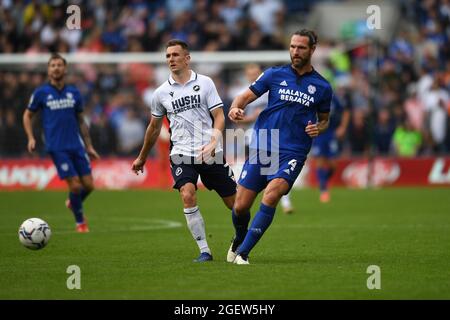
151, 135
236, 112
86, 137
314, 129
324, 121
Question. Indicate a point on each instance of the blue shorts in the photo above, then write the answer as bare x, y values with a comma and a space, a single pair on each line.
71, 163
325, 145
256, 174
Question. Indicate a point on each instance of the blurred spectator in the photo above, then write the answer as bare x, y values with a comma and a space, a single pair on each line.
12, 138
176, 7
414, 109
384, 129
231, 12
435, 102
268, 14
103, 135
359, 134
407, 140
130, 134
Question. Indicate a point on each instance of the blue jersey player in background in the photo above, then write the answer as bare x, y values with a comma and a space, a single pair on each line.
325, 147
298, 111
64, 131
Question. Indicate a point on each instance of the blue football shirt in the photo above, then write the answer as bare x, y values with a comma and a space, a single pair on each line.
293, 101
60, 110
336, 110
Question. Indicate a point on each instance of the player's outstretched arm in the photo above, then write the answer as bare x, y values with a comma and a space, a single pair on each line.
86, 137
236, 112
28, 126
151, 135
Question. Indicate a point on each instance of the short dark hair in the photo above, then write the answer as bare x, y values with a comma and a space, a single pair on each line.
56, 56
177, 42
312, 36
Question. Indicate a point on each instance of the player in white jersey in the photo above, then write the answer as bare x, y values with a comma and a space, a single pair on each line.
195, 112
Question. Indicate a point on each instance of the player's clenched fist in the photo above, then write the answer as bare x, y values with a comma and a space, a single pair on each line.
138, 165
31, 145
236, 114
311, 129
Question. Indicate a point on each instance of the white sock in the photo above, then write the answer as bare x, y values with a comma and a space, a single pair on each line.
286, 201
196, 225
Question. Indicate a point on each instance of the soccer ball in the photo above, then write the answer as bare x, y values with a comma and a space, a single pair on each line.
34, 233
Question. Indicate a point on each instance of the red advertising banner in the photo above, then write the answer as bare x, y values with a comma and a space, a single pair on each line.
115, 173
41, 174
360, 173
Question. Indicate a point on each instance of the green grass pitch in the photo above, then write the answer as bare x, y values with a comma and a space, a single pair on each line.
140, 248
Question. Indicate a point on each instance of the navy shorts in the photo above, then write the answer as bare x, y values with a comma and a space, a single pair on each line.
215, 176
325, 145
71, 163
257, 174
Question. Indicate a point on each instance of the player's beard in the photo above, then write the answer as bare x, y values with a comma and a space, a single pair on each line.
57, 77
301, 62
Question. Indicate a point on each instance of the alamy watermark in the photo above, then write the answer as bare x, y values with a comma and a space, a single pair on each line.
374, 19
259, 146
374, 280
74, 280
73, 22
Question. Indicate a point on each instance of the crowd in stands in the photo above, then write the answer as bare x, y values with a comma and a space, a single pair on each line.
403, 109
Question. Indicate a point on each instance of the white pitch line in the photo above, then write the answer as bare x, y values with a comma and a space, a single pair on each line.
144, 225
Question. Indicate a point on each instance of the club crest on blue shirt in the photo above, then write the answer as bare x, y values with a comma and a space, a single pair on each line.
311, 89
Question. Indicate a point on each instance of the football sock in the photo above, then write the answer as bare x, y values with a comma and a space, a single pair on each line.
240, 223
330, 173
323, 176
77, 208
84, 194
260, 223
286, 201
196, 225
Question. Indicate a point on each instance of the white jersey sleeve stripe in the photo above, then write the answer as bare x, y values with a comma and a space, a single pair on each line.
216, 106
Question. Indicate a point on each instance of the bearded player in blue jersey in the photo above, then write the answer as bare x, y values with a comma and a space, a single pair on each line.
64, 132
325, 147
297, 112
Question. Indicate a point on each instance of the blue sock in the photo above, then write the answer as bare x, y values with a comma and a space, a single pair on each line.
330, 172
323, 176
77, 209
84, 194
240, 225
260, 223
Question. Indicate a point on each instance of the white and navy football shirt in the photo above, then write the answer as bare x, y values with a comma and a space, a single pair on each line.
60, 110
293, 101
188, 108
